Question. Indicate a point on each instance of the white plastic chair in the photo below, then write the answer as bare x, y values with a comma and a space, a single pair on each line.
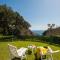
50, 51
18, 53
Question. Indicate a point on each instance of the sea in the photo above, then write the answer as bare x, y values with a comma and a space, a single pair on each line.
38, 32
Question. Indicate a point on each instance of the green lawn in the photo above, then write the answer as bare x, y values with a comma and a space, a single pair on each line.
4, 52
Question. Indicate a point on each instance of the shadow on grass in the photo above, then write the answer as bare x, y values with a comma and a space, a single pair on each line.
16, 58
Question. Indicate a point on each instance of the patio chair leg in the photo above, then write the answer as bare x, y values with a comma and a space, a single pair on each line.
51, 57
41, 57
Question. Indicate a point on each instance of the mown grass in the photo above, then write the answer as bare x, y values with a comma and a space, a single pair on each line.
4, 52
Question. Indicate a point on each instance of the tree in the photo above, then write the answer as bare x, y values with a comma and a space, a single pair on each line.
51, 26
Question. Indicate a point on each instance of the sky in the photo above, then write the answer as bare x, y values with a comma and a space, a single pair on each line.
38, 13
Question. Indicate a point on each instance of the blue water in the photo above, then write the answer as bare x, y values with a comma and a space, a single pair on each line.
38, 32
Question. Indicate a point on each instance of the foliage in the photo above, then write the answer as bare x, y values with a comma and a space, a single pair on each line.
7, 38
46, 39
11, 22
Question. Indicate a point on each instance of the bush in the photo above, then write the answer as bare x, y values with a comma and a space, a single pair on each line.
6, 38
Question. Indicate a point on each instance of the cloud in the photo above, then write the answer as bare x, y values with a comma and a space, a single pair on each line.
39, 27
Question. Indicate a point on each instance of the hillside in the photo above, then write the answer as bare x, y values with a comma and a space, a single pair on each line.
53, 32
11, 22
